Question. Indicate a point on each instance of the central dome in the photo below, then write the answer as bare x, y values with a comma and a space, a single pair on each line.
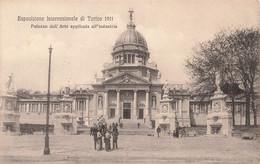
131, 36
131, 42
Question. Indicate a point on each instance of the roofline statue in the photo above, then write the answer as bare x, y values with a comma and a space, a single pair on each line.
10, 82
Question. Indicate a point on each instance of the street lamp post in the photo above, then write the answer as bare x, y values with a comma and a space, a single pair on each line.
46, 147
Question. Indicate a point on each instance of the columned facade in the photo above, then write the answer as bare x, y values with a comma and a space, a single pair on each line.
135, 105
147, 105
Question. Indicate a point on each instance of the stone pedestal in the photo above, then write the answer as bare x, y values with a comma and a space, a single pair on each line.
166, 117
9, 116
219, 118
65, 123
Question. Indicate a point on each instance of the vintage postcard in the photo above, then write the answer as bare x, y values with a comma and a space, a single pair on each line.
148, 81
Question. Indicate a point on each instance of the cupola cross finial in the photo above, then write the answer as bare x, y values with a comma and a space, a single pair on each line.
131, 14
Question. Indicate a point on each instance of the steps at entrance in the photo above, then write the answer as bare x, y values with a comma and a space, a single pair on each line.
201, 130
130, 128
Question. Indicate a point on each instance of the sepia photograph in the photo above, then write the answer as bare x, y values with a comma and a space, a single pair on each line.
148, 81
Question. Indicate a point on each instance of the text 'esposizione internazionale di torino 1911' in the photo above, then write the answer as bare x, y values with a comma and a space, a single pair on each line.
96, 21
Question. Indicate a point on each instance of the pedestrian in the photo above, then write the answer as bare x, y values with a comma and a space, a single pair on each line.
113, 125
99, 139
115, 138
102, 135
174, 134
94, 133
138, 125
158, 130
177, 132
184, 132
110, 128
107, 143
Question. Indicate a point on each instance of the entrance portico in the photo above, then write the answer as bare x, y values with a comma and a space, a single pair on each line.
126, 103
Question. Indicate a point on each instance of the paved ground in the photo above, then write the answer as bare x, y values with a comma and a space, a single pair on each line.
132, 149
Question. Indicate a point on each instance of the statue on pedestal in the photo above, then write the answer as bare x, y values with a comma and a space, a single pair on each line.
166, 89
217, 81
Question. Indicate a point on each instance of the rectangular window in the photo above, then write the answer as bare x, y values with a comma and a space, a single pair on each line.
33, 108
141, 114
203, 110
129, 59
112, 113
44, 108
133, 58
125, 59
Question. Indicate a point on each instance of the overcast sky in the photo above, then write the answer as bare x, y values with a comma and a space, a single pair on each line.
171, 29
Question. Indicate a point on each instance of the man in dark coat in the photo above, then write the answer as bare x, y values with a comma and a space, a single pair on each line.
107, 142
115, 137
158, 130
177, 131
94, 133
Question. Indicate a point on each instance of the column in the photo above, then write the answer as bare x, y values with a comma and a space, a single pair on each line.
95, 104
39, 109
117, 103
27, 110
135, 105
105, 103
87, 108
20, 107
147, 105
180, 107
73, 105
84, 107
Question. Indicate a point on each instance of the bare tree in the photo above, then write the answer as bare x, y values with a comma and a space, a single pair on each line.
236, 55
245, 46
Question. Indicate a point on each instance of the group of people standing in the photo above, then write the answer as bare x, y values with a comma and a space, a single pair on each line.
104, 133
